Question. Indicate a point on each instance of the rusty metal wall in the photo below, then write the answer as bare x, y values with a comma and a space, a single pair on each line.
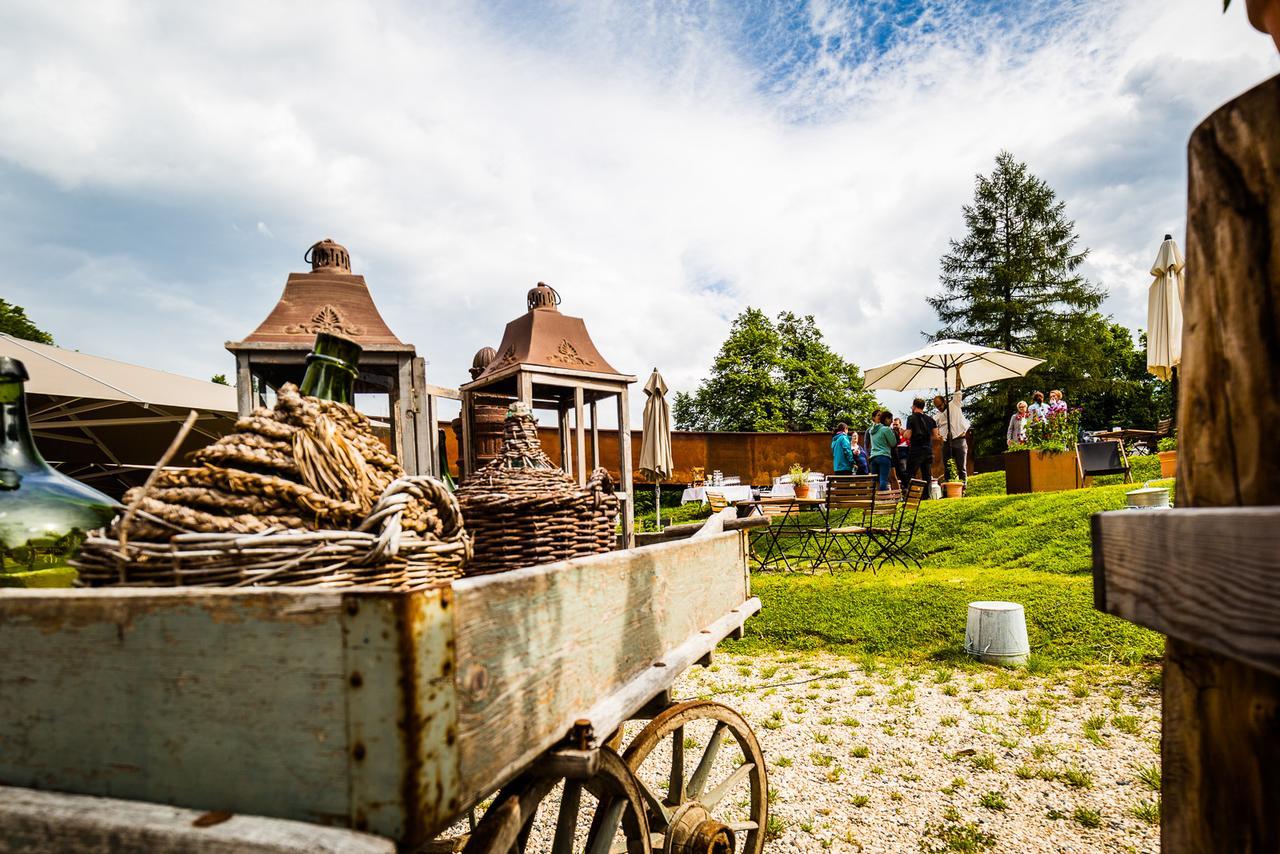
757, 458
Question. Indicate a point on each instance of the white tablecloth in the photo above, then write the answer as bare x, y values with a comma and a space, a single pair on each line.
731, 493
817, 489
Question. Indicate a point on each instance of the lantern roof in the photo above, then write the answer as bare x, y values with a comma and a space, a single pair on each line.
544, 340
328, 299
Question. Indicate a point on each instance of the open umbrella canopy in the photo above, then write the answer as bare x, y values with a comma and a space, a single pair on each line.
935, 366
1164, 311
656, 461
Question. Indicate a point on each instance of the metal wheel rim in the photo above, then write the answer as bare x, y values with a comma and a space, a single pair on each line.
670, 722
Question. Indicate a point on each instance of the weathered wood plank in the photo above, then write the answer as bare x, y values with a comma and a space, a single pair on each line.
1210, 576
228, 700
537, 648
83, 824
1221, 788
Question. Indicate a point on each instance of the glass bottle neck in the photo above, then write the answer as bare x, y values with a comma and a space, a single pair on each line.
331, 369
18, 451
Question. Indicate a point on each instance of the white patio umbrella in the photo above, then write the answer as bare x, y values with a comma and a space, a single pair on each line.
655, 446
1164, 311
937, 365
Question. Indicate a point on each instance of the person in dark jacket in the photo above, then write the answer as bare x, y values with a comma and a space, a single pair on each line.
920, 432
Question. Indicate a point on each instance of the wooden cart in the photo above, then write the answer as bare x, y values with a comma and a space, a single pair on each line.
397, 713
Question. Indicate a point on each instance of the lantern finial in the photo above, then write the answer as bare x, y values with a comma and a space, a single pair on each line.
543, 297
328, 255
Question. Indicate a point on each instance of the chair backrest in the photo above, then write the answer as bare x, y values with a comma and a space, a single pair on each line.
852, 493
699, 474
717, 500
1164, 426
1104, 457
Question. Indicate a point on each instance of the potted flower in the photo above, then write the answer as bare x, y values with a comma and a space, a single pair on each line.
799, 477
953, 486
1167, 449
1046, 460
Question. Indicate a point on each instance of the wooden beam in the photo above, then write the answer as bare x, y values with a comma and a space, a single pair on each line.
244, 385
579, 430
624, 470
1204, 575
595, 436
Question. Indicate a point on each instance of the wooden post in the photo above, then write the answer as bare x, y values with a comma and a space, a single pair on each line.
1221, 742
624, 470
595, 437
467, 464
425, 422
525, 388
579, 429
244, 384
565, 456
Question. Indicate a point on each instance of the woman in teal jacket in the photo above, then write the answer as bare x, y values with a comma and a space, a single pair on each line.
841, 450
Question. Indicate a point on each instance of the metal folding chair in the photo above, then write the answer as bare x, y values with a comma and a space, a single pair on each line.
894, 546
850, 528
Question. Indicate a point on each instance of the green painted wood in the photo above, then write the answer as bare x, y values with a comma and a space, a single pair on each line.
220, 700
537, 648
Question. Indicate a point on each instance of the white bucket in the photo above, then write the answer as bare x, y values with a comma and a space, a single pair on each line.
997, 633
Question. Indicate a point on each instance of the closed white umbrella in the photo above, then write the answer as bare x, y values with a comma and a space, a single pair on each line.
655, 446
938, 364
1164, 311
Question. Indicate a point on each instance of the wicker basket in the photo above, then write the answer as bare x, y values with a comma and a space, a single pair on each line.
379, 552
522, 510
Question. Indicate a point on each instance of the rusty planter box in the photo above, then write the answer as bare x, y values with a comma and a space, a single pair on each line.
387, 712
1040, 471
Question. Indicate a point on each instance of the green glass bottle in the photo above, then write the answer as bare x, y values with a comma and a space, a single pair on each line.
44, 514
332, 368
445, 477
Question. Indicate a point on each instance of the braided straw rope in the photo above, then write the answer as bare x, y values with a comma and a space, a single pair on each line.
380, 551
523, 510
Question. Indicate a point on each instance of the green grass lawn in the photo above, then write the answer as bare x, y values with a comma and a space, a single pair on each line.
1031, 549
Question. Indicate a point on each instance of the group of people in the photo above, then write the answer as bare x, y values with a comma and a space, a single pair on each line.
889, 444
1037, 410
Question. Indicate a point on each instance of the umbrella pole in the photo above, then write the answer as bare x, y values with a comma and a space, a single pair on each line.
657, 503
946, 403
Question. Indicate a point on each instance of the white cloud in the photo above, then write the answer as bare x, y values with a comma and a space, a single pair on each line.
264, 231
653, 163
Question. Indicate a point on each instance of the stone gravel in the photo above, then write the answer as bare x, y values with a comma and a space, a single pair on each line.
872, 757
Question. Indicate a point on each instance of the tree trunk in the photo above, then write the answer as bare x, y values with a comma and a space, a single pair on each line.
1221, 742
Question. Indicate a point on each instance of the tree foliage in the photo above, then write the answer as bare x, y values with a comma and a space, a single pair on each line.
1013, 282
14, 321
773, 377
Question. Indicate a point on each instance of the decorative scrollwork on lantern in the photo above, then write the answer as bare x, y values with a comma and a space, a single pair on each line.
326, 319
567, 354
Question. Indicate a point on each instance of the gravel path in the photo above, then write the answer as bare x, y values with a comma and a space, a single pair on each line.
868, 757
899, 758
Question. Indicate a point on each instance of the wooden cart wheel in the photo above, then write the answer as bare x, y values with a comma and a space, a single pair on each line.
720, 806
616, 806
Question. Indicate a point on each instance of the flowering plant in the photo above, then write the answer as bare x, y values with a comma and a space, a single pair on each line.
1056, 433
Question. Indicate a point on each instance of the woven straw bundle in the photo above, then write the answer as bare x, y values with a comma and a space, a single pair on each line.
300, 494
523, 510
307, 463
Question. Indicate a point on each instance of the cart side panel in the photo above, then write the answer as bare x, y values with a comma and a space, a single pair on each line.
537, 648
227, 700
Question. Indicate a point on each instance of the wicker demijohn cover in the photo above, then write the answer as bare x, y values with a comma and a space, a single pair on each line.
300, 494
523, 510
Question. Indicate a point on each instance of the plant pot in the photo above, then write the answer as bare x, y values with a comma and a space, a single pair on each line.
1039, 471
953, 488
802, 490
1168, 463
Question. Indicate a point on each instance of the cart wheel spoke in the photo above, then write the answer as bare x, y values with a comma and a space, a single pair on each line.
612, 817
717, 794
675, 787
699, 780
508, 825
567, 821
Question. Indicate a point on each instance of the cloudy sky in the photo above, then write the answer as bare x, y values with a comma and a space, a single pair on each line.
163, 166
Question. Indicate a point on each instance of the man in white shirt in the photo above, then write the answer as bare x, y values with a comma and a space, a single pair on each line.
951, 422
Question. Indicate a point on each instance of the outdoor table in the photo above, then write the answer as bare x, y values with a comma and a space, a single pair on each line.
730, 493
785, 524
787, 489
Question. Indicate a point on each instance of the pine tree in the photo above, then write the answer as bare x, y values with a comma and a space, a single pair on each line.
1012, 282
771, 377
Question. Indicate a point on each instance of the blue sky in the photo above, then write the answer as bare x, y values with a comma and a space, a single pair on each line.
164, 166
